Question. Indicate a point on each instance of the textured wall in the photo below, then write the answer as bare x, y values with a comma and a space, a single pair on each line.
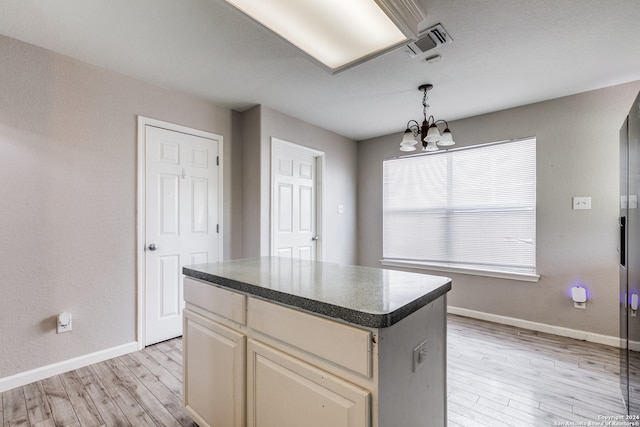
577, 155
340, 181
68, 200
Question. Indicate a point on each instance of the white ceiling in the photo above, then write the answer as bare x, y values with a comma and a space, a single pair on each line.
505, 53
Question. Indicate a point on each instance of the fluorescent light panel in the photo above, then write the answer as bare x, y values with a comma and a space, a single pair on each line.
337, 33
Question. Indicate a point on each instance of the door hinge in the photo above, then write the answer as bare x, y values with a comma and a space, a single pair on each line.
218, 228
217, 160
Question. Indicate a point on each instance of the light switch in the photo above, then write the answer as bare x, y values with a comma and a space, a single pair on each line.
340, 209
581, 203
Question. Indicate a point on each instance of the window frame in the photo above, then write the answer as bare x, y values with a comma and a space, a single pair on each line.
474, 270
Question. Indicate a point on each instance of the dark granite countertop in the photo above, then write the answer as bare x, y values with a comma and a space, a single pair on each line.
365, 296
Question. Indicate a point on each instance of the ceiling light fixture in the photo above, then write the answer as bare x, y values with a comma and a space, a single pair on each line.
429, 133
338, 33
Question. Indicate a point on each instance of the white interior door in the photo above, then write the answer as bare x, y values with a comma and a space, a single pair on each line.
294, 201
181, 224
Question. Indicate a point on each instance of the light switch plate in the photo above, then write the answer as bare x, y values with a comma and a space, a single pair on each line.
581, 203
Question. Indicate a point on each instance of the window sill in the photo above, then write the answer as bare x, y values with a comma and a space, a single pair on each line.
525, 277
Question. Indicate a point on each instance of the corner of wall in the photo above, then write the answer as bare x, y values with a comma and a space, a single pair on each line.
251, 124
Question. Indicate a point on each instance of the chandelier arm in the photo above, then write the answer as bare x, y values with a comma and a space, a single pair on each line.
415, 127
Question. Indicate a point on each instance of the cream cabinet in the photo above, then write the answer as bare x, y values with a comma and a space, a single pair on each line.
214, 355
256, 363
286, 391
214, 372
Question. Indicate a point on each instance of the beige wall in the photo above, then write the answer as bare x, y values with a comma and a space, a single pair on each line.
259, 126
68, 146
68, 200
577, 155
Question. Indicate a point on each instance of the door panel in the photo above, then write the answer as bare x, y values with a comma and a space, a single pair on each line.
285, 208
169, 194
199, 258
306, 209
169, 277
294, 203
199, 206
285, 252
181, 190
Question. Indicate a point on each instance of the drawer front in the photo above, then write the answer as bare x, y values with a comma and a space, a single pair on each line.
228, 304
336, 342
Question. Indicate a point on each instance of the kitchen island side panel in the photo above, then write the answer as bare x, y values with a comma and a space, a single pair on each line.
407, 397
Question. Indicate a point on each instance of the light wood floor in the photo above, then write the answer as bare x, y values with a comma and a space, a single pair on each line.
504, 376
497, 376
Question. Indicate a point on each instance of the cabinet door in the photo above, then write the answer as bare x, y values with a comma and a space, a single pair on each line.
214, 374
287, 392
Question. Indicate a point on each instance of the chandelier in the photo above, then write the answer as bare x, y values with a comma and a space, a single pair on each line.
429, 133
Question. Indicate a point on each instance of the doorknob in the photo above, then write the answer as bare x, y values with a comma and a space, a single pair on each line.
315, 238
153, 247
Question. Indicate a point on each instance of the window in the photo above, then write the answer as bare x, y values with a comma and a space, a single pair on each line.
469, 209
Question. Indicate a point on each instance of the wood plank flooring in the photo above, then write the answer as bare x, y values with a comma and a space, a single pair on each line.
497, 376
504, 376
138, 389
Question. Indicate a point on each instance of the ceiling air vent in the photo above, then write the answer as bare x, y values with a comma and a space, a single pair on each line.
430, 39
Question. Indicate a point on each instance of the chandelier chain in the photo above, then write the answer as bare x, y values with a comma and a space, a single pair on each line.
424, 104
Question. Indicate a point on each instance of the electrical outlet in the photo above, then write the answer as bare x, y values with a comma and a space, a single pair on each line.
419, 355
64, 322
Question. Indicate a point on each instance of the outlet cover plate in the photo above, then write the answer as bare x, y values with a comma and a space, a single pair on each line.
581, 203
64, 328
419, 355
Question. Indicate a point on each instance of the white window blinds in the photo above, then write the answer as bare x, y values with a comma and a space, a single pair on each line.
471, 208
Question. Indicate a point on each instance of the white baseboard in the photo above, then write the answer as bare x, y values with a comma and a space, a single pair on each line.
535, 326
28, 377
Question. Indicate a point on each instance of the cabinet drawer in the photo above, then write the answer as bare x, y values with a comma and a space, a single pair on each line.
222, 302
336, 342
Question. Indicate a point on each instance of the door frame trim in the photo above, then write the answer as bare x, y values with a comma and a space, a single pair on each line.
320, 174
143, 122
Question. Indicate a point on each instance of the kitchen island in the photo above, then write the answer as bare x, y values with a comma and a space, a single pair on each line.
275, 342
